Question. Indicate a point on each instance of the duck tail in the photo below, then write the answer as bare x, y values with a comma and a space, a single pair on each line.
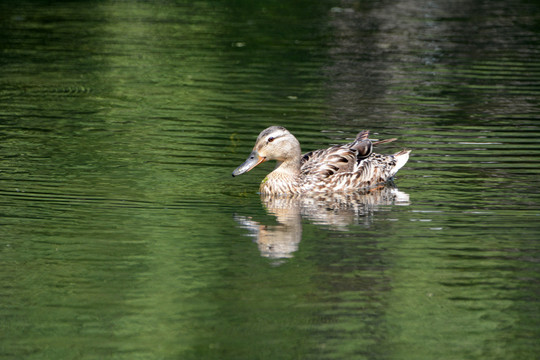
401, 159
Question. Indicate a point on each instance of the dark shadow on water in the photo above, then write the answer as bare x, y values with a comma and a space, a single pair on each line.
335, 211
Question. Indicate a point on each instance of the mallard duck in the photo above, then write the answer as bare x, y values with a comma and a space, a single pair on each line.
340, 168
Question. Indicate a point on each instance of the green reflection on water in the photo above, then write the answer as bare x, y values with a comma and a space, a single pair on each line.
121, 123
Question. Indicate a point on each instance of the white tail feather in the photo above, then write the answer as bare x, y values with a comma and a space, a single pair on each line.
401, 159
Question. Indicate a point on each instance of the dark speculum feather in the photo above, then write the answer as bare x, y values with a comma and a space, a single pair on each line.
307, 156
364, 148
362, 144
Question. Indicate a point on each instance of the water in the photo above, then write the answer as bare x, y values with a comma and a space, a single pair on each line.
124, 236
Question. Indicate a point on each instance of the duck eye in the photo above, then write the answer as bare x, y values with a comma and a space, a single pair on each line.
270, 139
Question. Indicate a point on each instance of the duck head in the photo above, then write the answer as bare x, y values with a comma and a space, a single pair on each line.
273, 143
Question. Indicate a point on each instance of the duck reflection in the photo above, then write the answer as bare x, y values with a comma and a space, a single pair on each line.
336, 211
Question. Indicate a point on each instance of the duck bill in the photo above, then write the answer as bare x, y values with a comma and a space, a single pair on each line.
253, 160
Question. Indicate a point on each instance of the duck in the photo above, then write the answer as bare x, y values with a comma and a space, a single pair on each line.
342, 168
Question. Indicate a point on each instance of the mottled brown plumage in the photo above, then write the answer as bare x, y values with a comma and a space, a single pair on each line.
340, 168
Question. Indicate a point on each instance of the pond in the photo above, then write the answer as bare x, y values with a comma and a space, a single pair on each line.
124, 236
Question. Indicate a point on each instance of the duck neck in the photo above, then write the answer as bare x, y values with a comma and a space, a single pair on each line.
290, 167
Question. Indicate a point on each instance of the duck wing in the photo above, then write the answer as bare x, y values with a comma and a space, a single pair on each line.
326, 162
338, 158
374, 170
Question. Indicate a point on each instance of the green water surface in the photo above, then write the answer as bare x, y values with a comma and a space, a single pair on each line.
124, 236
